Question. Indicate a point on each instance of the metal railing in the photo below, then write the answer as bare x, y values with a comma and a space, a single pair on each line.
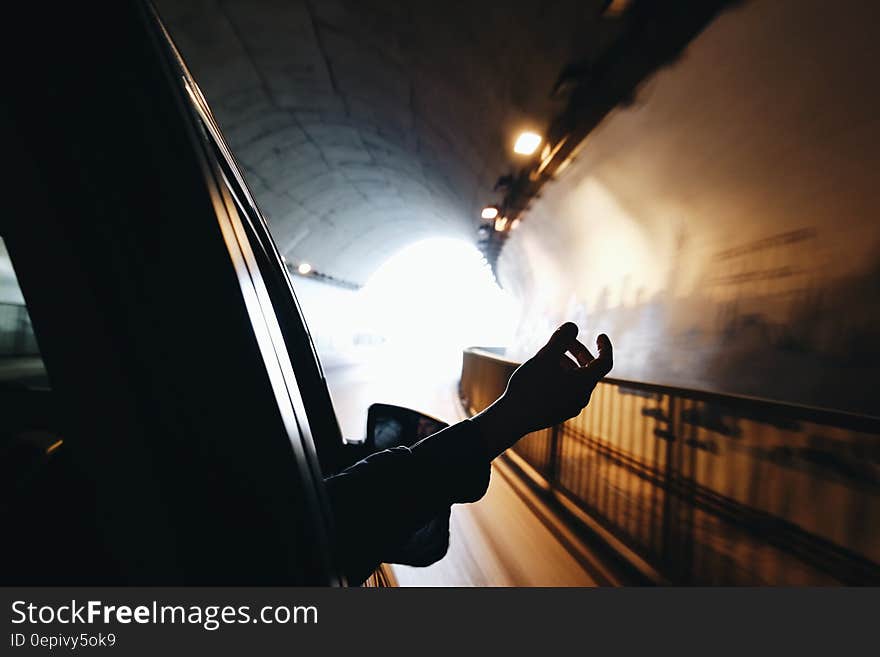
709, 488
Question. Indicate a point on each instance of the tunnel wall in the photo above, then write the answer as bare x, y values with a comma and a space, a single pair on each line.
722, 228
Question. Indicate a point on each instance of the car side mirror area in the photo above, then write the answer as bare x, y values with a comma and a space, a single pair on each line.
392, 426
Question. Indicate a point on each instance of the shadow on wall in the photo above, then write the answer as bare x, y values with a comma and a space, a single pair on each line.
765, 321
722, 229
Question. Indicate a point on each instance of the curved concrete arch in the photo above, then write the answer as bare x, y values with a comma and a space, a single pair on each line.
345, 110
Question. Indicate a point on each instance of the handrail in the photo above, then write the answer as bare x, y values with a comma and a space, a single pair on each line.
707, 487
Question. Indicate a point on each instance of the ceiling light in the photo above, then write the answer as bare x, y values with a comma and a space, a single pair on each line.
500, 224
617, 7
527, 143
304, 268
489, 212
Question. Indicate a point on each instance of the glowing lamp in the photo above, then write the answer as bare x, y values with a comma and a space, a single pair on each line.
527, 143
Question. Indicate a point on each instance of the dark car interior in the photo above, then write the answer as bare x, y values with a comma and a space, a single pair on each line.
165, 418
152, 430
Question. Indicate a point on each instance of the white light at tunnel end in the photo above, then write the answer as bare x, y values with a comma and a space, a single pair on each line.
527, 143
489, 212
304, 268
439, 292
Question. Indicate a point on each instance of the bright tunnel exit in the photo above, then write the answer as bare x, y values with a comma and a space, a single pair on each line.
432, 299
421, 307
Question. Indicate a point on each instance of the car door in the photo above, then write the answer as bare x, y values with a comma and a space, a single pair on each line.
278, 287
187, 453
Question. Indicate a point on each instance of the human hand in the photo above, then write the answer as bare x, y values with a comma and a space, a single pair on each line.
547, 389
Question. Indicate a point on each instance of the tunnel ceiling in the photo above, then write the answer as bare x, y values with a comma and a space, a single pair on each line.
366, 125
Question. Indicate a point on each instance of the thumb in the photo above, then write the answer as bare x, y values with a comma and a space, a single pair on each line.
603, 364
560, 340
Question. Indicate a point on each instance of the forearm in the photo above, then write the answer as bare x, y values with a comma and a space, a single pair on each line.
500, 426
379, 502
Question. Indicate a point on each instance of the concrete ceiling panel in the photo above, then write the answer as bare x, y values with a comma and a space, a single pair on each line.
351, 115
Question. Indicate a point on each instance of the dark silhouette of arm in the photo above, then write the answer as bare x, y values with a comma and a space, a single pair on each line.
379, 502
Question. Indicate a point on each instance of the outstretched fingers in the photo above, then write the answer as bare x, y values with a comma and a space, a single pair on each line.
564, 339
560, 340
579, 350
592, 373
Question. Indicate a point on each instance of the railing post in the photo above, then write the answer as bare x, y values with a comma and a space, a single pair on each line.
670, 502
554, 456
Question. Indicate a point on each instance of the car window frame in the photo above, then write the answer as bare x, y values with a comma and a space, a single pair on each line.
323, 428
234, 219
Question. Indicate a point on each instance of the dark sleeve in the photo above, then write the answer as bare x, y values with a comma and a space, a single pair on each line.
379, 502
